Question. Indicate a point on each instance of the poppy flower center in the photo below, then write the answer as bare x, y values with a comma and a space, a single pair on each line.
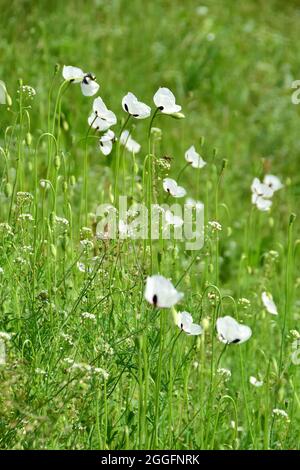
126, 107
154, 300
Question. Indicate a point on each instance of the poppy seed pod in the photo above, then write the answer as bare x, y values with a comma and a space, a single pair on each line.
28, 139
8, 190
57, 162
177, 115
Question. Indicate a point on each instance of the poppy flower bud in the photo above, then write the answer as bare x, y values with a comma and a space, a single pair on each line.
28, 139
292, 218
72, 180
224, 163
205, 323
8, 100
8, 190
57, 162
56, 68
52, 218
53, 250
177, 115
65, 186
174, 315
202, 140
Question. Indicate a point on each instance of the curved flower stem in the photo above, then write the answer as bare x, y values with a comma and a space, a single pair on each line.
117, 167
20, 147
85, 166
158, 381
288, 270
150, 187
57, 105
217, 216
181, 171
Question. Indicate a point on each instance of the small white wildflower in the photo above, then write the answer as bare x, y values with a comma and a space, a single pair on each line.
238, 428
61, 220
40, 371
67, 338
89, 316
5, 336
226, 373
255, 382
82, 268
280, 413
28, 91
6, 229
25, 217
2, 352
87, 244
100, 371
215, 226
243, 302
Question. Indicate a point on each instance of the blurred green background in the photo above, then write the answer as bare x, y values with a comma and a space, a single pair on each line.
230, 64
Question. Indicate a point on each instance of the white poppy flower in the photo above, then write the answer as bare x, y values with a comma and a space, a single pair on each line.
165, 101
101, 117
106, 142
160, 292
131, 145
4, 97
255, 382
194, 158
185, 323
260, 189
262, 204
171, 187
89, 86
172, 219
134, 107
261, 193
269, 303
192, 203
230, 331
273, 182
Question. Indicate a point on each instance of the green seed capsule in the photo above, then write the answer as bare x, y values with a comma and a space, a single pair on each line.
28, 139
57, 162
8, 190
53, 250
